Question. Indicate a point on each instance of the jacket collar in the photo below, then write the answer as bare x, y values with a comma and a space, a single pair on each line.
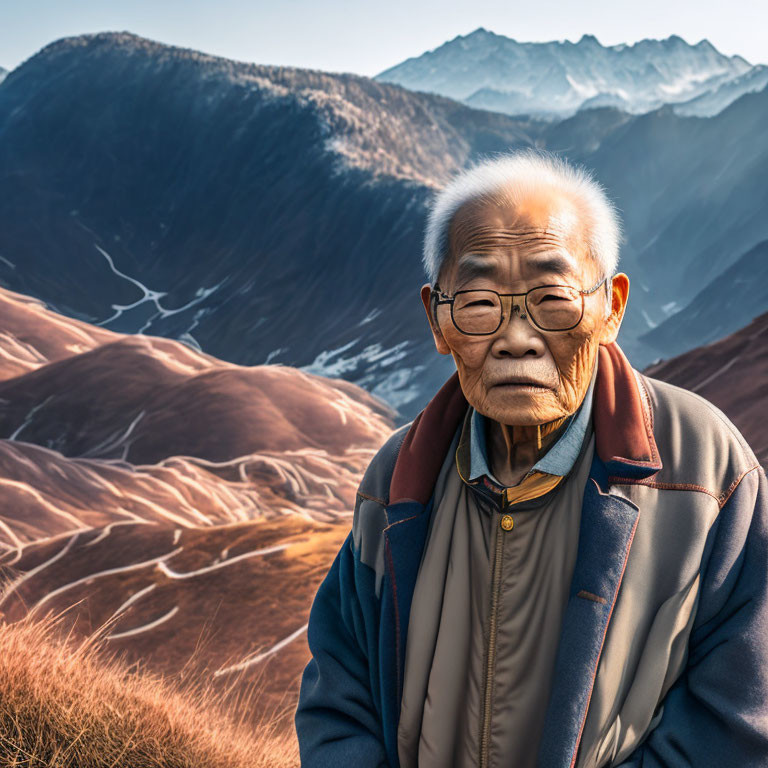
623, 422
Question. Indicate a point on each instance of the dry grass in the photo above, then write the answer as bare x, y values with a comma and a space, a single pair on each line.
64, 704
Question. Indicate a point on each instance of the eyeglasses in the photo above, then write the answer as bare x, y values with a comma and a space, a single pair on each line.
480, 312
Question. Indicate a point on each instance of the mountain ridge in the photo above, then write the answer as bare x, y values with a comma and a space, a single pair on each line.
553, 79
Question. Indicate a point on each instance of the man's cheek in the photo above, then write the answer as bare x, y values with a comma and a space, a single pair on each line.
471, 355
575, 366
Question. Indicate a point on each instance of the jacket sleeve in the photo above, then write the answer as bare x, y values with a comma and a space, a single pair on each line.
336, 721
716, 713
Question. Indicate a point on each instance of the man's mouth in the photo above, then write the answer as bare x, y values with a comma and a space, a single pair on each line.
521, 384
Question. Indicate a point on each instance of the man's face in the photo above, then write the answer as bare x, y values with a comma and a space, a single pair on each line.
512, 249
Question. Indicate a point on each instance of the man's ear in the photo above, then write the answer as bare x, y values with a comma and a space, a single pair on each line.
619, 295
429, 306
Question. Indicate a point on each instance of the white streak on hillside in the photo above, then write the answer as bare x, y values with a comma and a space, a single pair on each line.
149, 295
144, 627
260, 657
108, 529
29, 417
132, 599
189, 574
16, 583
99, 574
114, 441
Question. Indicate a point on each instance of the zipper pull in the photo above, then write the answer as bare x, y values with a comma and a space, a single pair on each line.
507, 522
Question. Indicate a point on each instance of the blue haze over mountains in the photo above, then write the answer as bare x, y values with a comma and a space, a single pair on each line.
273, 214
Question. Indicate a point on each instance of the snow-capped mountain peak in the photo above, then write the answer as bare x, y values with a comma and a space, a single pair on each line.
555, 79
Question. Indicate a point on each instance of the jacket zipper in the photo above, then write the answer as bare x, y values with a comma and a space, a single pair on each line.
501, 530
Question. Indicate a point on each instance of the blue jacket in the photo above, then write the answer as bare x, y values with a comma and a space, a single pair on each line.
665, 460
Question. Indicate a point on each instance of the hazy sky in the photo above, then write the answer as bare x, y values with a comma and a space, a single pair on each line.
367, 37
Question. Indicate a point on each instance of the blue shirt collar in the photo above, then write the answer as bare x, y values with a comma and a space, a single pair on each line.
558, 460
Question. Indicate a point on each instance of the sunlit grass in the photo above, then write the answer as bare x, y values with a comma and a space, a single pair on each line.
63, 703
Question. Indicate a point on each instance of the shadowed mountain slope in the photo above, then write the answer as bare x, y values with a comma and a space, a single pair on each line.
728, 303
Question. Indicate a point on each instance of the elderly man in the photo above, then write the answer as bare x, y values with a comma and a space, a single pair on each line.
560, 562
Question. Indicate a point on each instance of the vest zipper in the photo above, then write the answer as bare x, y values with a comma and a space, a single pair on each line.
504, 524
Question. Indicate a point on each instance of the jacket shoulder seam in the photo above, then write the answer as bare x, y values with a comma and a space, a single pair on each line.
721, 498
735, 484
372, 498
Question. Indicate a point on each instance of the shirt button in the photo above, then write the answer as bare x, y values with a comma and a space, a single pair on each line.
507, 522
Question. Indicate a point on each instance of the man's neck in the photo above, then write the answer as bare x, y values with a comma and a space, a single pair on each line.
513, 450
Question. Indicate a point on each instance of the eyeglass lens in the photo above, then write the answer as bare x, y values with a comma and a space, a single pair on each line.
551, 308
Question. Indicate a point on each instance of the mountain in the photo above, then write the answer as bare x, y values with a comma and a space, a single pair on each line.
275, 215
554, 79
692, 197
732, 373
185, 506
711, 102
223, 204
729, 302
202, 430
3, 73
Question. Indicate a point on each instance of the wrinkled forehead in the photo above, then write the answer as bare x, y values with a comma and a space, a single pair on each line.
545, 228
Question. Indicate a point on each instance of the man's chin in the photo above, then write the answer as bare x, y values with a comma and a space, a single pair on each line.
522, 406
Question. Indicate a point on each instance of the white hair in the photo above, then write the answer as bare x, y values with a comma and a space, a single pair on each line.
516, 174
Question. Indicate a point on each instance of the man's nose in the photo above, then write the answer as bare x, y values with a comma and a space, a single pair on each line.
517, 335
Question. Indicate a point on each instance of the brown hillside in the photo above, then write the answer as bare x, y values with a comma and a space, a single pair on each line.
227, 603
181, 507
732, 373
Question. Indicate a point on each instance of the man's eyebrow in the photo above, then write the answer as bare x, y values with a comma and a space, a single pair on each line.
553, 263
474, 266
471, 266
